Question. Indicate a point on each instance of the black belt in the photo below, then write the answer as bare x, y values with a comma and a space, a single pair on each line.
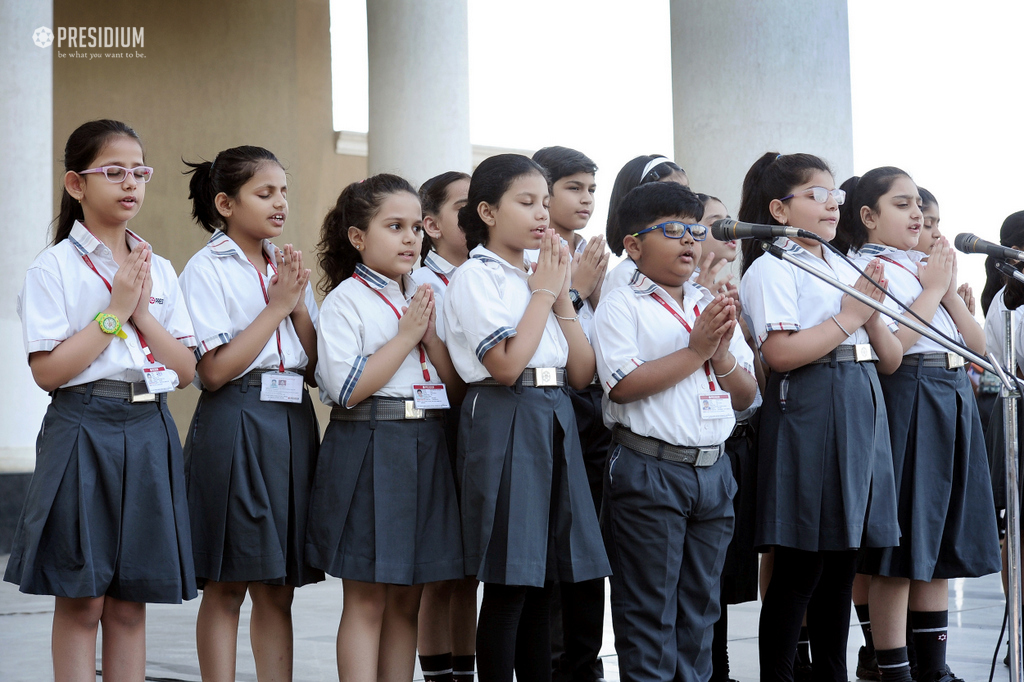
862, 352
539, 377
383, 409
255, 377
740, 429
944, 360
697, 456
133, 392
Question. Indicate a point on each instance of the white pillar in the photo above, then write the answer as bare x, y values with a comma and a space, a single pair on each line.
26, 174
750, 76
418, 87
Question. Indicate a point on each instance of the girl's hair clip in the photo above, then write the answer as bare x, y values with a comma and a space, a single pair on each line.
778, 156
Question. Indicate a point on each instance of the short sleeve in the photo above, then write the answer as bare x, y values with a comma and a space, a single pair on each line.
769, 297
178, 321
339, 344
311, 306
44, 319
615, 334
475, 303
203, 295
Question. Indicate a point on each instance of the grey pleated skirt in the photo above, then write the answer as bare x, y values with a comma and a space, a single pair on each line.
946, 511
824, 471
249, 469
527, 511
383, 508
106, 513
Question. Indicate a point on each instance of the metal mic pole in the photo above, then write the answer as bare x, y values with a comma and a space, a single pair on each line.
1010, 398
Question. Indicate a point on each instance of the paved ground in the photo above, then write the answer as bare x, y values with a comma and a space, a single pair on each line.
976, 611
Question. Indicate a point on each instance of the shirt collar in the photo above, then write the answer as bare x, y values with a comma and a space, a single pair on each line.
642, 285
481, 252
872, 250
437, 264
379, 282
86, 242
223, 245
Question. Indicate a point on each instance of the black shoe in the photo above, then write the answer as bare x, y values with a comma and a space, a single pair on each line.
947, 676
802, 672
867, 666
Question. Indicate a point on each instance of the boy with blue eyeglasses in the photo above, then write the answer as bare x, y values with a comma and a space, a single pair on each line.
674, 366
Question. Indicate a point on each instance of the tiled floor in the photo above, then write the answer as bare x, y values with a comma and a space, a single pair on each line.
976, 611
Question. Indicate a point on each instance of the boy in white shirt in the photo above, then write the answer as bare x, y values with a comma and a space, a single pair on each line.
674, 366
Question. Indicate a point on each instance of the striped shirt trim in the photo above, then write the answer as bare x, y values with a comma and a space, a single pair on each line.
208, 344
434, 264
42, 345
777, 327
622, 372
350, 382
371, 277
641, 285
486, 259
188, 341
496, 337
875, 249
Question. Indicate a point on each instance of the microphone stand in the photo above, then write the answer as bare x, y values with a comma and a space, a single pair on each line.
1010, 392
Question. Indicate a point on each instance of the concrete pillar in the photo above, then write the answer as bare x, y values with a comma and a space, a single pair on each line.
26, 174
418, 87
750, 77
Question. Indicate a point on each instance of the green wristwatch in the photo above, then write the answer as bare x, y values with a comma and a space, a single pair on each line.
109, 324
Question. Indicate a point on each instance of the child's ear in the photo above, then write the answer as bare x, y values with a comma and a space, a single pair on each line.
779, 211
223, 204
867, 216
74, 185
633, 247
486, 213
431, 227
356, 237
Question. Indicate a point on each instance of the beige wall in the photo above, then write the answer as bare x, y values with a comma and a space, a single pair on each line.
215, 75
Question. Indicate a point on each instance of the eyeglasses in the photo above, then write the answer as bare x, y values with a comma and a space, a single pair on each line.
142, 174
820, 194
662, 170
673, 229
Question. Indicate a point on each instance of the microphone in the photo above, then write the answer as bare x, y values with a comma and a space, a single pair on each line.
966, 242
727, 229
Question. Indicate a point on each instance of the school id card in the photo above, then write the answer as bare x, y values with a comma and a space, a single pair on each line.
281, 387
159, 379
715, 405
430, 397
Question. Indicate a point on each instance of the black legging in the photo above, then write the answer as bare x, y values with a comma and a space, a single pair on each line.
514, 631
820, 583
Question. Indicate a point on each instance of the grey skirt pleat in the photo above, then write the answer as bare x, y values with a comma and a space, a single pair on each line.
106, 512
946, 510
249, 469
824, 471
384, 508
527, 511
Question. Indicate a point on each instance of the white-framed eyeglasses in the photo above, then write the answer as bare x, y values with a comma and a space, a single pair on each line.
820, 194
142, 174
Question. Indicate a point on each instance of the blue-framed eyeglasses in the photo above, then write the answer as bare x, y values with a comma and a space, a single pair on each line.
820, 194
673, 229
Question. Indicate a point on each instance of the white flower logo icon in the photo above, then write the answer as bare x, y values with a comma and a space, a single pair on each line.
43, 37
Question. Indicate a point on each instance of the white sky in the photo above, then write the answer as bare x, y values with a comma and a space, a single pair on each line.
937, 91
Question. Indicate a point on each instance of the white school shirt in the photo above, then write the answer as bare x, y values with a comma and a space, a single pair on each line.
483, 305
904, 285
586, 313
223, 294
994, 341
354, 323
632, 328
777, 296
619, 276
437, 272
62, 295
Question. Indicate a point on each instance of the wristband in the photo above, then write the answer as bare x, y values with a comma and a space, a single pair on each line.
567, 319
841, 327
546, 291
735, 364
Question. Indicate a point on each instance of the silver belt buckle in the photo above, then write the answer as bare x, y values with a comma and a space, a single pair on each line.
954, 361
707, 456
544, 377
411, 411
862, 352
134, 397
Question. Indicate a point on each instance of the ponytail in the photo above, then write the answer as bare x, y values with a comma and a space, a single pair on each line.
851, 233
490, 181
231, 169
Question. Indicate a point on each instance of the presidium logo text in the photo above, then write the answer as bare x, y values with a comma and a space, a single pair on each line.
86, 37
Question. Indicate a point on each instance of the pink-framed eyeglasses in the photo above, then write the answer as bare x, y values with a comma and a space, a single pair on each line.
142, 174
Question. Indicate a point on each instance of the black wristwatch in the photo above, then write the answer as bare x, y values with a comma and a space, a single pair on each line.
577, 300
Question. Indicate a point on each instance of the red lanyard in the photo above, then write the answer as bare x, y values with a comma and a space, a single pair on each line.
142, 339
423, 353
899, 265
442, 278
266, 299
689, 329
